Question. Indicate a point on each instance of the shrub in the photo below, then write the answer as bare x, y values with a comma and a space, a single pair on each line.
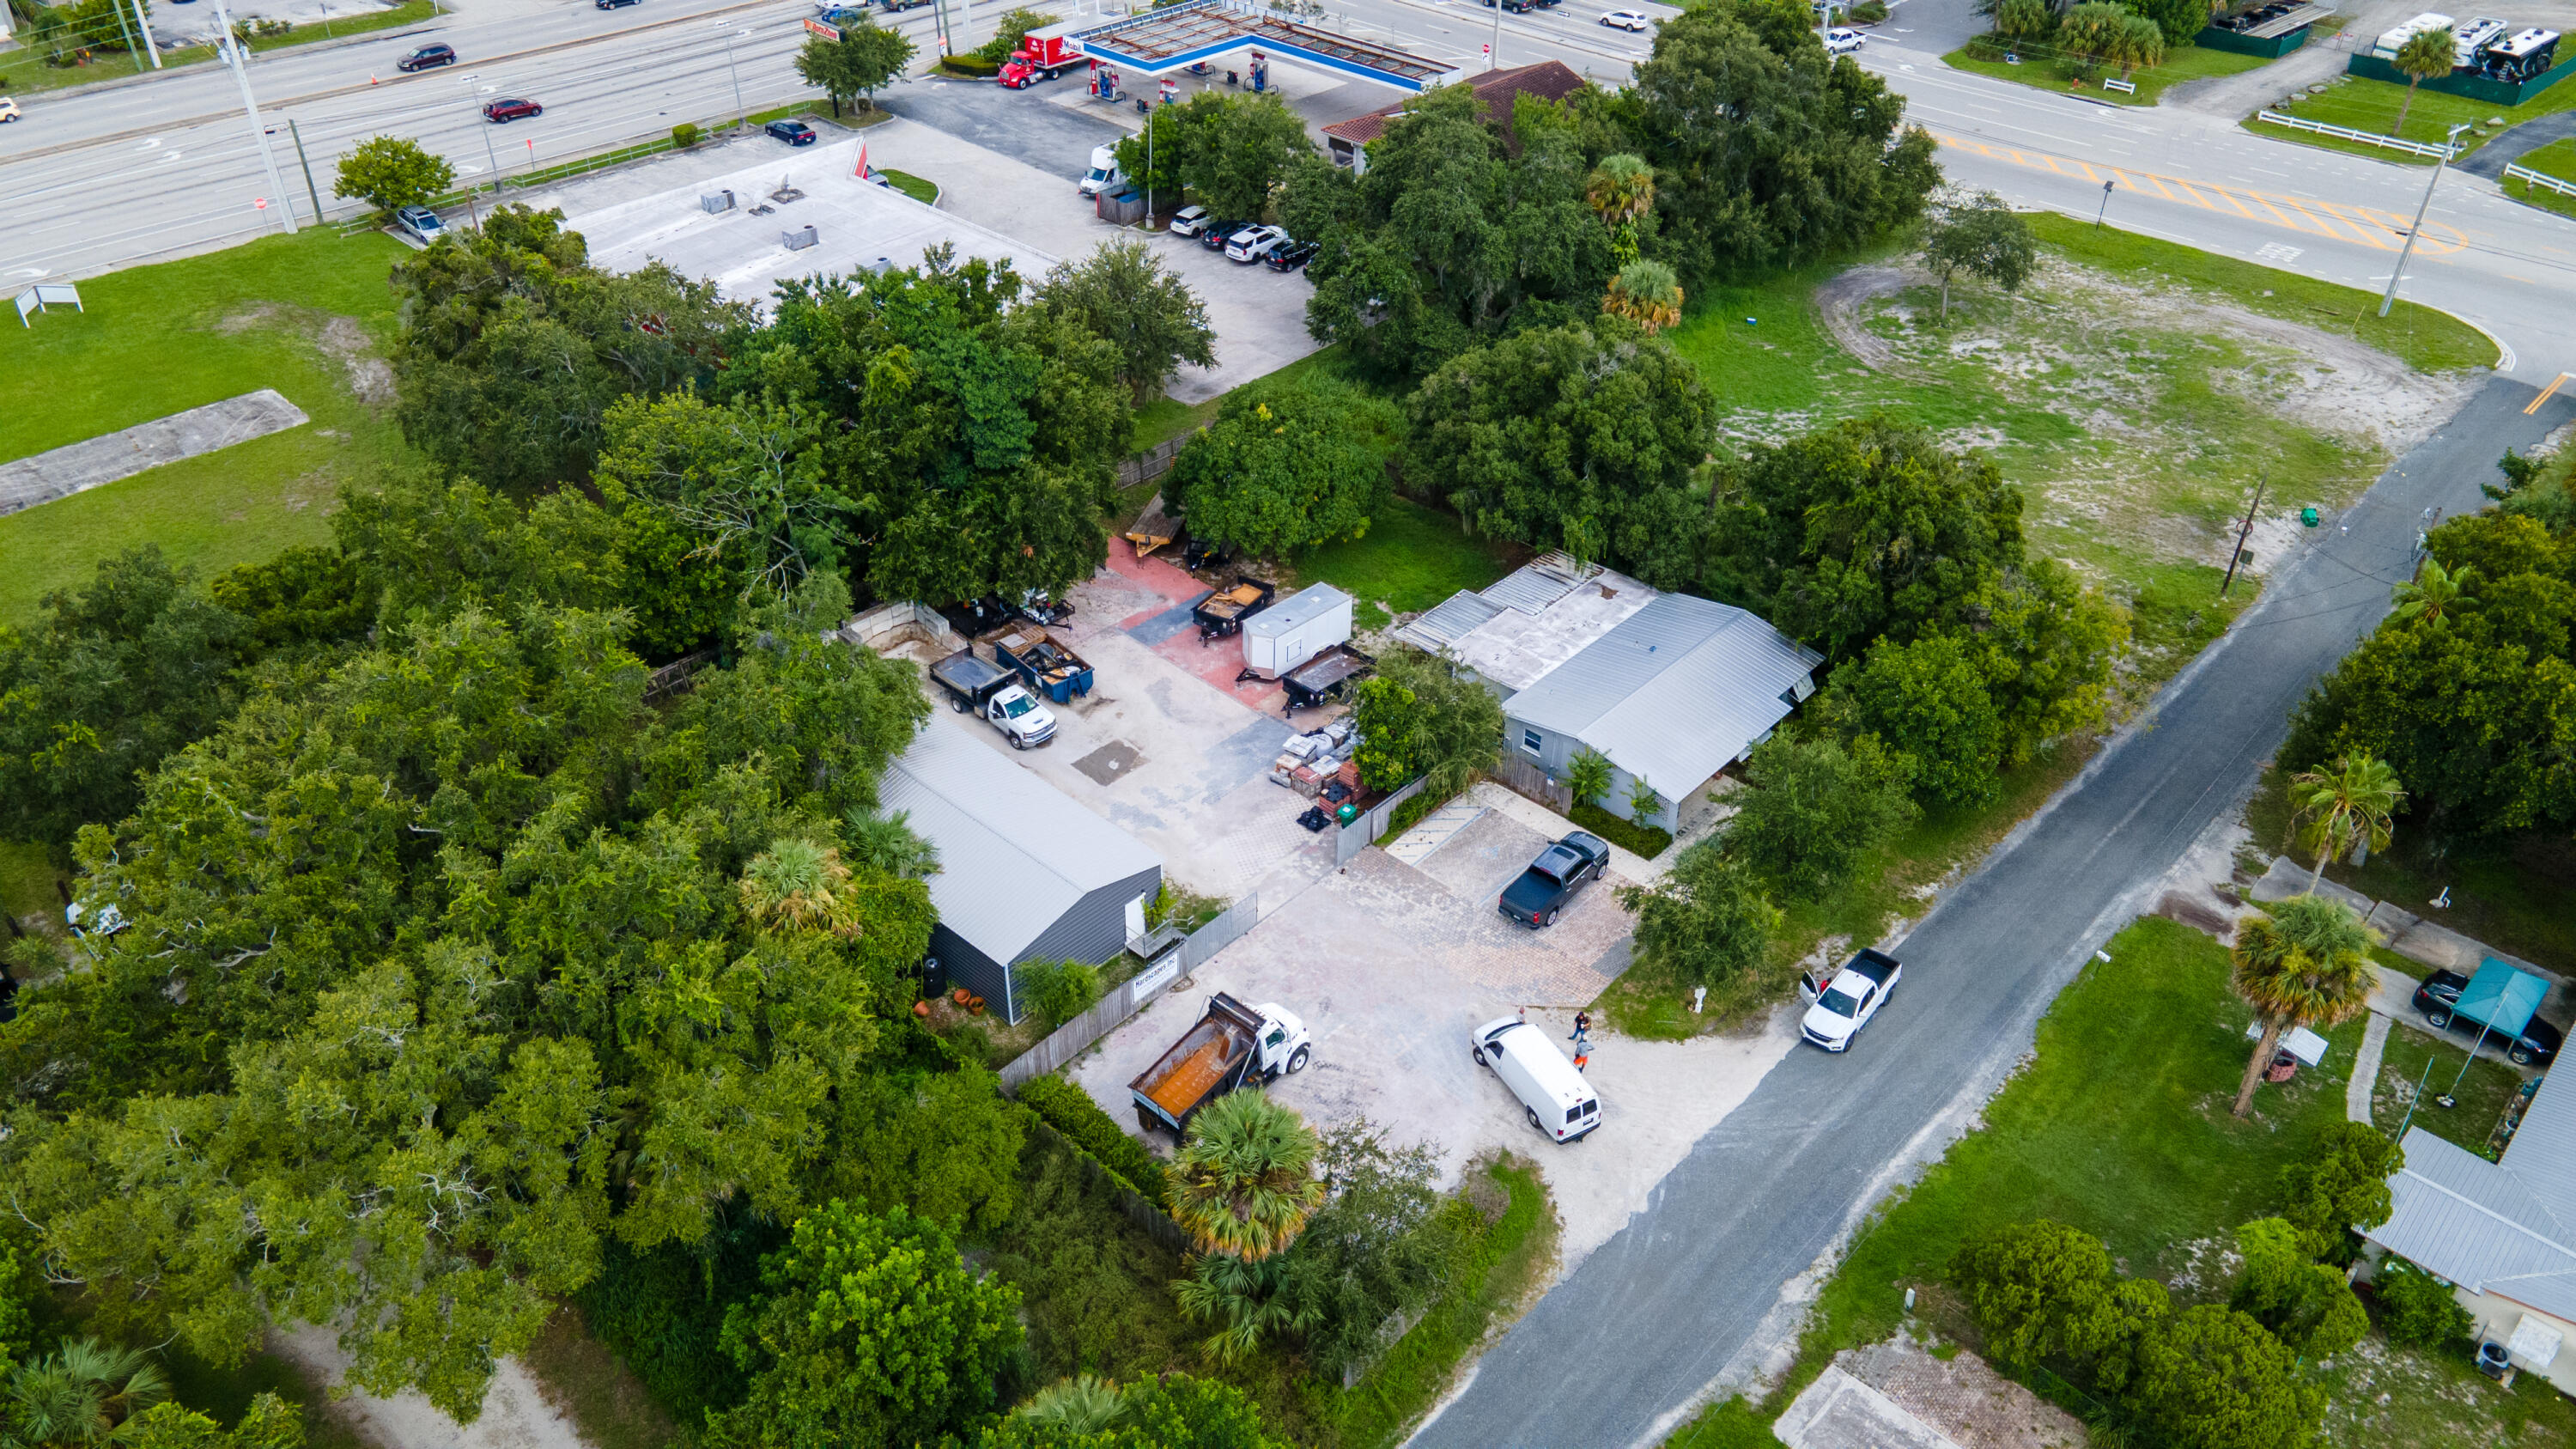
1059, 990
970, 65
1646, 840
685, 135
1869, 12
2416, 1310
1069, 1110
1814, 810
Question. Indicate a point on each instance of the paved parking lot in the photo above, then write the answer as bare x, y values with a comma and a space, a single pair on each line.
1392, 966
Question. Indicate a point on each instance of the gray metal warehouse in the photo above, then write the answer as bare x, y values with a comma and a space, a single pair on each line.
1025, 874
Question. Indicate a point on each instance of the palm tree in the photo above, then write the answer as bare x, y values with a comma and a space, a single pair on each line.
886, 845
1244, 1299
2346, 806
1646, 293
1587, 775
796, 885
2426, 54
2306, 964
80, 1394
1245, 1182
1079, 1406
2139, 41
1621, 188
2434, 592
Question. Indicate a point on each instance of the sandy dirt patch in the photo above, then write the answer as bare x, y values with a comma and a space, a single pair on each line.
338, 338
1962, 1397
515, 1412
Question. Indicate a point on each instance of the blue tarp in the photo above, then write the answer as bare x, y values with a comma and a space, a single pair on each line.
2501, 997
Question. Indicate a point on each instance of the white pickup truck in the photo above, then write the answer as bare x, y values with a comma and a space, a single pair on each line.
994, 693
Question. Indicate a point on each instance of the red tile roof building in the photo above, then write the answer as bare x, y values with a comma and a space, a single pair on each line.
1549, 80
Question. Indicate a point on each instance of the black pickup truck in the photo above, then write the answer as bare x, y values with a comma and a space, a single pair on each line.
1540, 894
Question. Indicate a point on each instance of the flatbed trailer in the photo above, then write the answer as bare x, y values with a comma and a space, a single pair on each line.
1221, 614
1327, 676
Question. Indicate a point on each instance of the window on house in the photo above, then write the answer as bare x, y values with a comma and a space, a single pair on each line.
1529, 741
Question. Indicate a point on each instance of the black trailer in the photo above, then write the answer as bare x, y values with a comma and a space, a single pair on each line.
1222, 613
1329, 675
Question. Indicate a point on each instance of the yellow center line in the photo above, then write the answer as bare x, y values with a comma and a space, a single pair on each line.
2307, 216
2545, 393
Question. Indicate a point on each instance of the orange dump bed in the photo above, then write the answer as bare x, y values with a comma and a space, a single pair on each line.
1191, 1077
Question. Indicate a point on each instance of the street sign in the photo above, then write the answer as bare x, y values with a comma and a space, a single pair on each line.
822, 28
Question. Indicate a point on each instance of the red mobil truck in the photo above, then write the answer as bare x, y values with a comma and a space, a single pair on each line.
1043, 55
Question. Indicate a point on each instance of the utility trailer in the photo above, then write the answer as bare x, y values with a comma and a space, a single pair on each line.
1044, 662
1222, 613
1228, 1047
1327, 676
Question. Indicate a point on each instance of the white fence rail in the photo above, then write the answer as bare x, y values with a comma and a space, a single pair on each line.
2546, 183
2345, 133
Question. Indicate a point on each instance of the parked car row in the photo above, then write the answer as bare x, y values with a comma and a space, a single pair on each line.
1244, 241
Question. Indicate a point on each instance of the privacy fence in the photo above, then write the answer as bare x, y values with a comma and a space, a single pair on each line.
1360, 833
1131, 996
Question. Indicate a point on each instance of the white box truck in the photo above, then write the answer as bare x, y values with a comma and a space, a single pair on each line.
1294, 630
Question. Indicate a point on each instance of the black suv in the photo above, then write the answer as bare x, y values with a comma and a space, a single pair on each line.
427, 56
794, 133
2439, 999
1215, 234
1540, 894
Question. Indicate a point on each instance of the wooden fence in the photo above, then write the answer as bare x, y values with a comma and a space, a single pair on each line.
1523, 778
1131, 996
1140, 1210
1154, 462
676, 676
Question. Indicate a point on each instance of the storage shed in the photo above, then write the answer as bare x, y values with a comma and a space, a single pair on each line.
1025, 873
1295, 629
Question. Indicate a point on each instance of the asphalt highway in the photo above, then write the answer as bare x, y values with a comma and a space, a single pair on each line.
1615, 1354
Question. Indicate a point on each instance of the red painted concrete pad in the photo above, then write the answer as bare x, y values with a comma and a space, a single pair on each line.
1168, 580
1218, 661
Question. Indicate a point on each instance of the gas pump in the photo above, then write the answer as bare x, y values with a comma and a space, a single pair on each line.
1169, 91
1260, 72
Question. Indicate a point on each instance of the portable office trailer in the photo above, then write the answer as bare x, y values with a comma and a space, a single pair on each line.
1294, 630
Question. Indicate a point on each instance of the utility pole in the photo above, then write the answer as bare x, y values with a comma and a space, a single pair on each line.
149, 43
2388, 298
495, 158
133, 52
232, 53
309, 188
2242, 533
739, 112
1494, 58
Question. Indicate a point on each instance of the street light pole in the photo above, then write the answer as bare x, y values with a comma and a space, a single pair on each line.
232, 53
149, 43
495, 158
2388, 298
739, 110
1494, 52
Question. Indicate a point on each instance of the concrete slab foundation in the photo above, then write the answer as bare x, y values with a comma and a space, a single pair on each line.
79, 467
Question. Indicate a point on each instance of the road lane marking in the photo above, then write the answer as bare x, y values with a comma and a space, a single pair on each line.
2544, 394
2308, 216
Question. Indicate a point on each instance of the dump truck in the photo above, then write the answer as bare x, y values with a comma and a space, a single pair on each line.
994, 693
1231, 1045
1044, 662
1222, 613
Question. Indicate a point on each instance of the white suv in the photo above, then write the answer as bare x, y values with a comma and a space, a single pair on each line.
1254, 242
1628, 20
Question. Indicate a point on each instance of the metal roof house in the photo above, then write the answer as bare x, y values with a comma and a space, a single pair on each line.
1025, 873
2503, 1233
1669, 687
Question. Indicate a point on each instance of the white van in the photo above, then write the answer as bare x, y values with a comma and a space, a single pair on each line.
1103, 174
1559, 1102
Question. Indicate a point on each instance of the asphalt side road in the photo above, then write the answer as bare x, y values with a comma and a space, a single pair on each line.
1617, 1353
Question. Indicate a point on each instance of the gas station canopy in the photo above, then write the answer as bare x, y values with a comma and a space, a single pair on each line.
1159, 42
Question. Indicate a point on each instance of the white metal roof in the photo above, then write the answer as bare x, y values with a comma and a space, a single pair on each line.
1529, 621
1015, 852
2504, 1227
1674, 691
1297, 610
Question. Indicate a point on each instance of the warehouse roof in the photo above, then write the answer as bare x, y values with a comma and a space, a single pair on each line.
1673, 691
1015, 853
1529, 621
2506, 1227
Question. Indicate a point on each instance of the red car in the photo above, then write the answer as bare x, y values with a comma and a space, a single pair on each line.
512, 110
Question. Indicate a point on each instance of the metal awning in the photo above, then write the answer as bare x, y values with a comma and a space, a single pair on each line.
2501, 997
1159, 42
2298, 1041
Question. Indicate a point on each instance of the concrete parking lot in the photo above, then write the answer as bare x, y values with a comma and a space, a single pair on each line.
1393, 965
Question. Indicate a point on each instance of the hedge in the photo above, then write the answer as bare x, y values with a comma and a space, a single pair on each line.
1646, 840
1069, 1110
970, 65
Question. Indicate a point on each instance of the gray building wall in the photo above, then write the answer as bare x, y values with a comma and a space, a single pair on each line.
1556, 751
1092, 930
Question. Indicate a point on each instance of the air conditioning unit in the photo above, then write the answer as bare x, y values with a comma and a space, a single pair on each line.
715, 201
798, 240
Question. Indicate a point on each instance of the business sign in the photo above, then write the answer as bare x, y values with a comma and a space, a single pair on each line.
822, 28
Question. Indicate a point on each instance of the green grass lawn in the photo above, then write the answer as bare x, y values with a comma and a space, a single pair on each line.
2119, 1125
26, 71
2357, 104
293, 313
2413, 1056
1411, 558
2046, 69
925, 192
2558, 159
